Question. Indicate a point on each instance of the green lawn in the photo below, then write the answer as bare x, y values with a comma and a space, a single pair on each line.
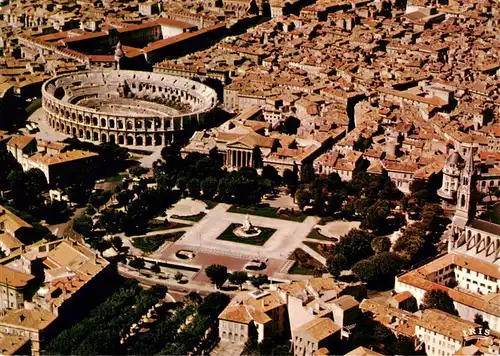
156, 225
301, 270
304, 263
153, 242
315, 234
260, 240
194, 218
34, 106
210, 203
140, 152
316, 246
268, 212
117, 178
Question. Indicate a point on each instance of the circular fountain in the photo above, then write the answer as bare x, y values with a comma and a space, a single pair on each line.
247, 230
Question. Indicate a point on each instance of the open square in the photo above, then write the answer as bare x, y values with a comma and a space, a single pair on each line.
204, 236
265, 234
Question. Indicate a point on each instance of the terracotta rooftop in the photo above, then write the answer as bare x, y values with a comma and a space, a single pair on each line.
14, 278
20, 141
319, 329
445, 324
29, 319
362, 351
11, 222
11, 344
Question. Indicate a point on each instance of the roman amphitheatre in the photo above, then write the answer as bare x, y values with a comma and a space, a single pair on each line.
130, 108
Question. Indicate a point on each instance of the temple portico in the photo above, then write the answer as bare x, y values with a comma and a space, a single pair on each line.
237, 158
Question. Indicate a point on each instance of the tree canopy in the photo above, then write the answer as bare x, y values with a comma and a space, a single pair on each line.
379, 270
438, 299
217, 273
9, 165
238, 278
354, 246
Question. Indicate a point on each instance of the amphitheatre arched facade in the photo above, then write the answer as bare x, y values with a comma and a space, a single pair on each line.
129, 108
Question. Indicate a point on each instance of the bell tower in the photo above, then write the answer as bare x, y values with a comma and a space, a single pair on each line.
118, 55
465, 209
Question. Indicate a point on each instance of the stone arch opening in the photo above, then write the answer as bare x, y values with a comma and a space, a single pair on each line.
57, 126
149, 124
80, 118
158, 140
139, 141
87, 120
121, 140
149, 141
94, 121
112, 124
95, 136
120, 124
87, 135
112, 138
129, 125
103, 122
80, 133
68, 130
138, 125
74, 131
130, 140
104, 138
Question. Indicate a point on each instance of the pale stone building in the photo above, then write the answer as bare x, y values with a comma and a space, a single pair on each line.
262, 311
33, 324
47, 157
14, 288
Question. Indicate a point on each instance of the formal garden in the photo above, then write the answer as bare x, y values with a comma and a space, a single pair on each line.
151, 243
229, 235
269, 212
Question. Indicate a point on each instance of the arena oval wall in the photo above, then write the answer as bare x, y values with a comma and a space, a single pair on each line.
130, 108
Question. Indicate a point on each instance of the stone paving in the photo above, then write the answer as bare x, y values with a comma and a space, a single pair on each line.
281, 200
46, 132
338, 228
288, 236
187, 207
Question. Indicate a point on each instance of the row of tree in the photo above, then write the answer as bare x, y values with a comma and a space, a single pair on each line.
218, 275
100, 332
197, 175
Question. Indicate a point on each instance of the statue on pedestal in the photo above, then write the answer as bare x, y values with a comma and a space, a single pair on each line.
247, 225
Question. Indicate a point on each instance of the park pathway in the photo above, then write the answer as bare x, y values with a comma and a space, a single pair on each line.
314, 254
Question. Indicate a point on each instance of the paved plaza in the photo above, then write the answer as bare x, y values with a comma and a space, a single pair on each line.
338, 228
187, 207
203, 235
46, 132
